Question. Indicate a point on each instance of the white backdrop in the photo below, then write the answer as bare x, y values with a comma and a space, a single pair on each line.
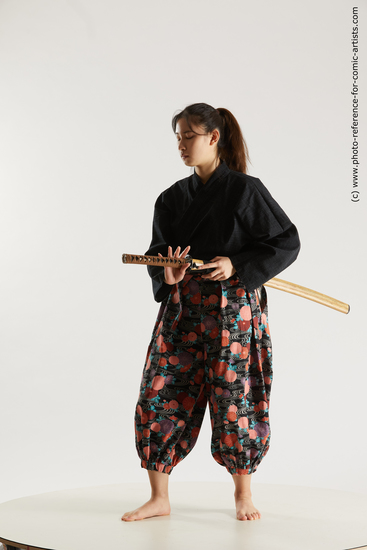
88, 92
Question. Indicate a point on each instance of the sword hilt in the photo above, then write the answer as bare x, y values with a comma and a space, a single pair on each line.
163, 261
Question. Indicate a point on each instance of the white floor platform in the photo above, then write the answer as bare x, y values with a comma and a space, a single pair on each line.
202, 516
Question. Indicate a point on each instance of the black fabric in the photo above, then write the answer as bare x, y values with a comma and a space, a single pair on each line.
232, 214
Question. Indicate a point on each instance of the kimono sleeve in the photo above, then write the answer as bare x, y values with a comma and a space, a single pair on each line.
273, 244
161, 235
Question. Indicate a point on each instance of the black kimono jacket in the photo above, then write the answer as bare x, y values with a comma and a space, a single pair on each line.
232, 214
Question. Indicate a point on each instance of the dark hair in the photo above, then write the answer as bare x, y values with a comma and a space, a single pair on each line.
231, 145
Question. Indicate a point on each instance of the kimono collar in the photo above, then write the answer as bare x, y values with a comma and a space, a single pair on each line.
221, 170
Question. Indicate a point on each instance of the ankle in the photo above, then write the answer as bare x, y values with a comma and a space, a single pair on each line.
242, 494
159, 495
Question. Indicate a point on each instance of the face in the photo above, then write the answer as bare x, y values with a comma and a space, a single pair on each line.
196, 149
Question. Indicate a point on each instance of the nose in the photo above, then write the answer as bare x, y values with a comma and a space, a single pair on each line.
181, 146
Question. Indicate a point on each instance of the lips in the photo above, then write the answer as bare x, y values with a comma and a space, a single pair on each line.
184, 156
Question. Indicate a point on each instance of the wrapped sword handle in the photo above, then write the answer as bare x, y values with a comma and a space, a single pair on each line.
160, 261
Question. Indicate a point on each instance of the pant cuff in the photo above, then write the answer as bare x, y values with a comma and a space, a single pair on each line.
157, 466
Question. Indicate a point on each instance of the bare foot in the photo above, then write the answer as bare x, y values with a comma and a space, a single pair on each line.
245, 509
157, 506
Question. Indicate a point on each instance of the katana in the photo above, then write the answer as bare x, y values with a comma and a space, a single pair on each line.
279, 284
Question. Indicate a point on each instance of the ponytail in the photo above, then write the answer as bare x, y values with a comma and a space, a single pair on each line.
232, 147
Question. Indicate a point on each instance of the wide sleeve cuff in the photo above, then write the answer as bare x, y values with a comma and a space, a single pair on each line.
262, 261
160, 288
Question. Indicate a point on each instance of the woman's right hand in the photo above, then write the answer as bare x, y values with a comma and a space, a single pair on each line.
173, 275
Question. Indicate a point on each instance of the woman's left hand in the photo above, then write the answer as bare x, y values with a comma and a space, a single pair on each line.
223, 269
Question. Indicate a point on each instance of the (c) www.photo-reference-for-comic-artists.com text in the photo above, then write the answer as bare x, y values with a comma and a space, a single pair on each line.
355, 161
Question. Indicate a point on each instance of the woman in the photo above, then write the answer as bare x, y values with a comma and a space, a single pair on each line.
211, 342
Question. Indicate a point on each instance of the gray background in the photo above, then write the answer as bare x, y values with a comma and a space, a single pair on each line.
88, 92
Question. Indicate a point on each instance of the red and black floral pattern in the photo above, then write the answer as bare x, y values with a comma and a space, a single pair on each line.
211, 343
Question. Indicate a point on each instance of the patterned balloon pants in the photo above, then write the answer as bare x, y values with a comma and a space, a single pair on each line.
211, 343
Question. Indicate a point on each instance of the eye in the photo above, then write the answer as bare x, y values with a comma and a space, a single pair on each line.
187, 135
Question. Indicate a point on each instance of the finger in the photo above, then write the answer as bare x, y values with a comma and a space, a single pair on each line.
213, 275
219, 278
170, 251
177, 252
183, 254
207, 266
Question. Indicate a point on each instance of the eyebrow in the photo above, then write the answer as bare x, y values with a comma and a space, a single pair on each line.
185, 132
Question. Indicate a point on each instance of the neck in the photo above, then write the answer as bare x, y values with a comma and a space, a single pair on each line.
204, 171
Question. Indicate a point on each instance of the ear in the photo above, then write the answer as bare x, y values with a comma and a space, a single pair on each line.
215, 137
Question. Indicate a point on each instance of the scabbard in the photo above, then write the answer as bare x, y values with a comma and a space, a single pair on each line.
309, 294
